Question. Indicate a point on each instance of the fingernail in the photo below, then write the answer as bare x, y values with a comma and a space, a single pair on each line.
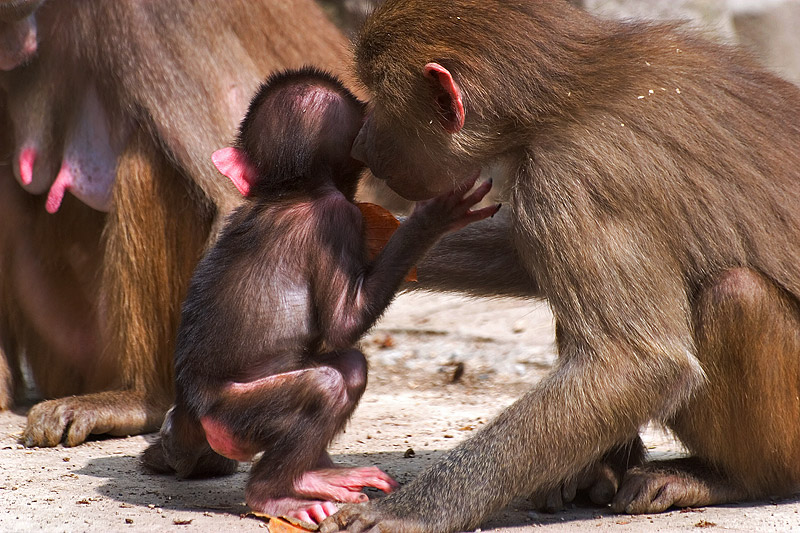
498, 209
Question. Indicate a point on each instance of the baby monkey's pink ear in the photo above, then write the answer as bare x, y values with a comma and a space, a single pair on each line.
232, 163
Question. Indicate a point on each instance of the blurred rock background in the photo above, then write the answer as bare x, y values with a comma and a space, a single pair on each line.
769, 28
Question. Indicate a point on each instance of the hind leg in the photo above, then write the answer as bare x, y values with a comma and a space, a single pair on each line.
743, 427
182, 448
291, 417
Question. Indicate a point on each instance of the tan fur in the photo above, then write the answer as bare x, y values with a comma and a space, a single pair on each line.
154, 239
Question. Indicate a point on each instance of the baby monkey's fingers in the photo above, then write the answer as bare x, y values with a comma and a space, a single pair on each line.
475, 215
477, 195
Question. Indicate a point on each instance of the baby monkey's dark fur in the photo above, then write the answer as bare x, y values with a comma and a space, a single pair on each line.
265, 359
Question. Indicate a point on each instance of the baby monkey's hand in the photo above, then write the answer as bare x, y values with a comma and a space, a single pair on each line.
452, 210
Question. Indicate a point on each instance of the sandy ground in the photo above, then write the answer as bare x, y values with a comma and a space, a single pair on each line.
495, 349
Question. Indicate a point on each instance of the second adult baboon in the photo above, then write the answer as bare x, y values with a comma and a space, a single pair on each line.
655, 204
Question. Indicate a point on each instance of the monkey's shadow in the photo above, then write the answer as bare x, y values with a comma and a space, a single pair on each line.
128, 482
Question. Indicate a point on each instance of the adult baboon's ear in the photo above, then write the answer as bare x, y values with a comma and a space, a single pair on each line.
449, 100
